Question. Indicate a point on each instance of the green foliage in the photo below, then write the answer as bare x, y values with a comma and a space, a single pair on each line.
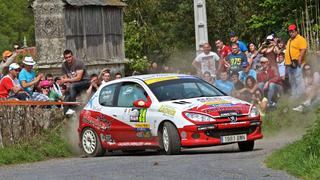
48, 145
16, 22
301, 158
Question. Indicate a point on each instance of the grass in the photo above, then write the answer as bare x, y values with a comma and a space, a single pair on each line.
48, 145
301, 158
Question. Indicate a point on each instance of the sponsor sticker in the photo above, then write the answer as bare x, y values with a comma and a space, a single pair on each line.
167, 110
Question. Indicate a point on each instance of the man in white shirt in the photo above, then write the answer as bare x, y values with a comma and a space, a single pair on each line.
206, 61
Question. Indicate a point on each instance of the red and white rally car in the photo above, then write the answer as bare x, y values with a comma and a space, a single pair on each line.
166, 112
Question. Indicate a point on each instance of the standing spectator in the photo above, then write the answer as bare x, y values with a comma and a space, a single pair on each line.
224, 84
94, 85
74, 75
269, 80
281, 46
294, 57
154, 69
7, 58
207, 77
118, 75
206, 61
281, 66
234, 39
223, 51
269, 50
9, 84
105, 76
254, 57
246, 72
235, 59
27, 77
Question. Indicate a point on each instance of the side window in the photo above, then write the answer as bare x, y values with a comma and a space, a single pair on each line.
129, 93
106, 95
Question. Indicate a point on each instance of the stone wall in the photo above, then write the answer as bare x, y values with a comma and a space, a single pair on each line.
18, 123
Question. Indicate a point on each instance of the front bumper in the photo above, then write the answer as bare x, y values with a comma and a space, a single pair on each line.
210, 134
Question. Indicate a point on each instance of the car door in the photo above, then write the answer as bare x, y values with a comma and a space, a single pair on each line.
133, 116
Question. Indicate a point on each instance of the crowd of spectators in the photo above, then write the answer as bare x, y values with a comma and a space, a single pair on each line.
257, 74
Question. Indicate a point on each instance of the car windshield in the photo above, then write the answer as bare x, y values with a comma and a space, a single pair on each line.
183, 89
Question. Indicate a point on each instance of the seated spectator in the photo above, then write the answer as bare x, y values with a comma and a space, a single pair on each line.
28, 79
47, 89
224, 84
236, 82
207, 77
57, 86
250, 88
94, 85
7, 58
118, 75
312, 87
269, 80
105, 76
10, 86
74, 76
260, 101
246, 71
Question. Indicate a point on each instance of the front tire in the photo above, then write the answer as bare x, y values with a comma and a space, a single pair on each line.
170, 138
246, 145
90, 143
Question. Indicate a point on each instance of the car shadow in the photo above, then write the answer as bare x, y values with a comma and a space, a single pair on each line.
184, 151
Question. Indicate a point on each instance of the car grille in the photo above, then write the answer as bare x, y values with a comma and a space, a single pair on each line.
217, 133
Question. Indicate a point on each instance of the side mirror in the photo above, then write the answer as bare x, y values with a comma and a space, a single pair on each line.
141, 103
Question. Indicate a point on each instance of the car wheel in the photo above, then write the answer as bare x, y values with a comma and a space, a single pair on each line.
246, 145
170, 139
90, 142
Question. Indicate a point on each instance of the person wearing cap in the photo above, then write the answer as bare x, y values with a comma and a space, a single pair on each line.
48, 92
246, 72
9, 84
27, 76
294, 58
269, 49
7, 58
269, 80
235, 59
234, 39
206, 61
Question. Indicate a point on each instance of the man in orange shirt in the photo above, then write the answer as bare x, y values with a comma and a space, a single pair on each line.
294, 58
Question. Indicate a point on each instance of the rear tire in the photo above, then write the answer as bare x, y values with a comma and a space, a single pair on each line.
90, 143
246, 145
170, 139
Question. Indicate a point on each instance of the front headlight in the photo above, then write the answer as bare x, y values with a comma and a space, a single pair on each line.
198, 117
254, 112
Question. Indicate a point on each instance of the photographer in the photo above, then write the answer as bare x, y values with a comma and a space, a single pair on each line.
269, 50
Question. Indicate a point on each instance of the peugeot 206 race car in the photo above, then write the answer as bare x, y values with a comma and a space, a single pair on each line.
166, 112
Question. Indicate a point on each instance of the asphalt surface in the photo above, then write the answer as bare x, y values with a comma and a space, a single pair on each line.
221, 162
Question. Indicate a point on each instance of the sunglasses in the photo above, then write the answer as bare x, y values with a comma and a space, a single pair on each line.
45, 88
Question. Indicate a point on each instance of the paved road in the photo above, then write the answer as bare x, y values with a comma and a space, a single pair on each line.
223, 162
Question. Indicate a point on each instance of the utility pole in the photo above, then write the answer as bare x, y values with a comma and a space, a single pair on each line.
200, 20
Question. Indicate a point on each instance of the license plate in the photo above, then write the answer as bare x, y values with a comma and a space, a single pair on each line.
233, 138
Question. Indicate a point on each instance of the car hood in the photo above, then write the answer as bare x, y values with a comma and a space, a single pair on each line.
221, 106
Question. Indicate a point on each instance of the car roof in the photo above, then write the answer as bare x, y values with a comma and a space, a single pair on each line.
153, 78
